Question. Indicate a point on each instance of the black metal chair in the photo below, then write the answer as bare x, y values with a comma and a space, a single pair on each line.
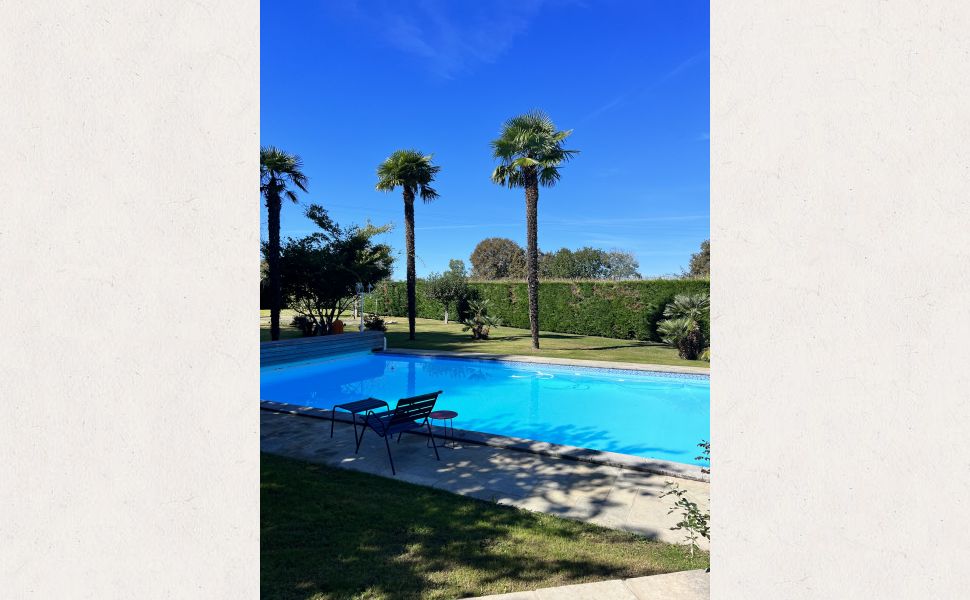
409, 414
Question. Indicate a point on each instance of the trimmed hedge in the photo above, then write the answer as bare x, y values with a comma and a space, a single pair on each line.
615, 309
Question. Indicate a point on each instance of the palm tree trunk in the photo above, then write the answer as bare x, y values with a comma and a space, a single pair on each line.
409, 247
273, 261
532, 252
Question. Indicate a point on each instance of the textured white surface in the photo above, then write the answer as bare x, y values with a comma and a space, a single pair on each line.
839, 200
129, 355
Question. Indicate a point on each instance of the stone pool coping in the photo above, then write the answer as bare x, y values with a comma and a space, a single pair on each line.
575, 362
600, 457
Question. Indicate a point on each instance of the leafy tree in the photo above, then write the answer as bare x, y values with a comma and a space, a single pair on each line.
320, 272
700, 263
279, 173
558, 265
450, 287
588, 263
457, 267
621, 265
498, 258
530, 152
414, 173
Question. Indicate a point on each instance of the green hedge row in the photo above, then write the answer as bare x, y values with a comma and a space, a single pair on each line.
615, 309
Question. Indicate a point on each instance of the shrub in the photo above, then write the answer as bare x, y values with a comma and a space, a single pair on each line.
306, 326
479, 321
374, 323
683, 334
687, 318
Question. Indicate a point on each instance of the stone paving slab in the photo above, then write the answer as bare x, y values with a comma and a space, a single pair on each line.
686, 585
606, 495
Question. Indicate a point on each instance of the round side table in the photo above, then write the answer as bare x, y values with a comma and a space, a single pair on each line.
445, 415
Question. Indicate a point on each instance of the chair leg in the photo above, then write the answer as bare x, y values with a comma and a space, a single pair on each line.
362, 432
333, 411
388, 445
433, 444
399, 437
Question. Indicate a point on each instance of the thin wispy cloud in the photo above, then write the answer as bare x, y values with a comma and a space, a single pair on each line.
448, 38
648, 87
468, 226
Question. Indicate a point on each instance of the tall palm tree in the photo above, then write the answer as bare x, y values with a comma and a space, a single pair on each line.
413, 172
530, 150
278, 171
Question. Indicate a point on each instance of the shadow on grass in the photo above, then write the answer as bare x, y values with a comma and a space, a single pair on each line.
330, 533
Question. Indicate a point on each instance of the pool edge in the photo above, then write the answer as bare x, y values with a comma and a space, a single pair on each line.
573, 362
600, 457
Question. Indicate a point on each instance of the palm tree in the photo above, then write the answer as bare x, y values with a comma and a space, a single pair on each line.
277, 172
530, 150
413, 172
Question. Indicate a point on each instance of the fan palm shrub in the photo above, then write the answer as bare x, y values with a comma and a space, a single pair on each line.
687, 315
689, 306
279, 173
530, 152
479, 322
413, 172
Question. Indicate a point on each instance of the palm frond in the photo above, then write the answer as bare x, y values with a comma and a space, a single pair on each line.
409, 169
529, 141
279, 169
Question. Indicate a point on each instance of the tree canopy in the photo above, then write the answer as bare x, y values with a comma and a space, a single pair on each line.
700, 262
498, 258
320, 272
530, 143
588, 263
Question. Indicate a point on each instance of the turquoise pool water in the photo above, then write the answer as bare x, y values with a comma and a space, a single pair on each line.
660, 416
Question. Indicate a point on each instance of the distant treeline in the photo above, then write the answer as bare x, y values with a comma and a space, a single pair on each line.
502, 258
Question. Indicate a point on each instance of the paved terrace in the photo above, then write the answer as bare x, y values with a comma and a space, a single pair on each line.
606, 495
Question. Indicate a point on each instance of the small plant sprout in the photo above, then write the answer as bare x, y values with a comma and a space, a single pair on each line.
705, 456
693, 522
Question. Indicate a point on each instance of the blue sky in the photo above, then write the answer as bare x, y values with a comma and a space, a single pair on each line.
344, 84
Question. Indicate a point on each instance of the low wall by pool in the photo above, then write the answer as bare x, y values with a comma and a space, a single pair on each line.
310, 348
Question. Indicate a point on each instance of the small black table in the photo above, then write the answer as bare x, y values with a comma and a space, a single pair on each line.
446, 415
354, 408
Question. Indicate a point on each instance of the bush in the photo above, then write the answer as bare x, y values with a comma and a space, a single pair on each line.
479, 321
306, 326
615, 309
684, 328
374, 323
683, 334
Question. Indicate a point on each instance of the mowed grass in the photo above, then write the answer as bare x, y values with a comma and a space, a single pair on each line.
435, 335
328, 533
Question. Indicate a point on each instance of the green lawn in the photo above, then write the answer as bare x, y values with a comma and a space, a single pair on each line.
435, 335
328, 533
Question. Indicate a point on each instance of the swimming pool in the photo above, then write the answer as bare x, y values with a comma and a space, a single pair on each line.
640, 413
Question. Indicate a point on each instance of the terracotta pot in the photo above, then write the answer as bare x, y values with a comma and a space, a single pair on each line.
338, 326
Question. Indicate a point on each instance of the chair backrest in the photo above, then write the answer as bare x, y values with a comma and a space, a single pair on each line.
414, 408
